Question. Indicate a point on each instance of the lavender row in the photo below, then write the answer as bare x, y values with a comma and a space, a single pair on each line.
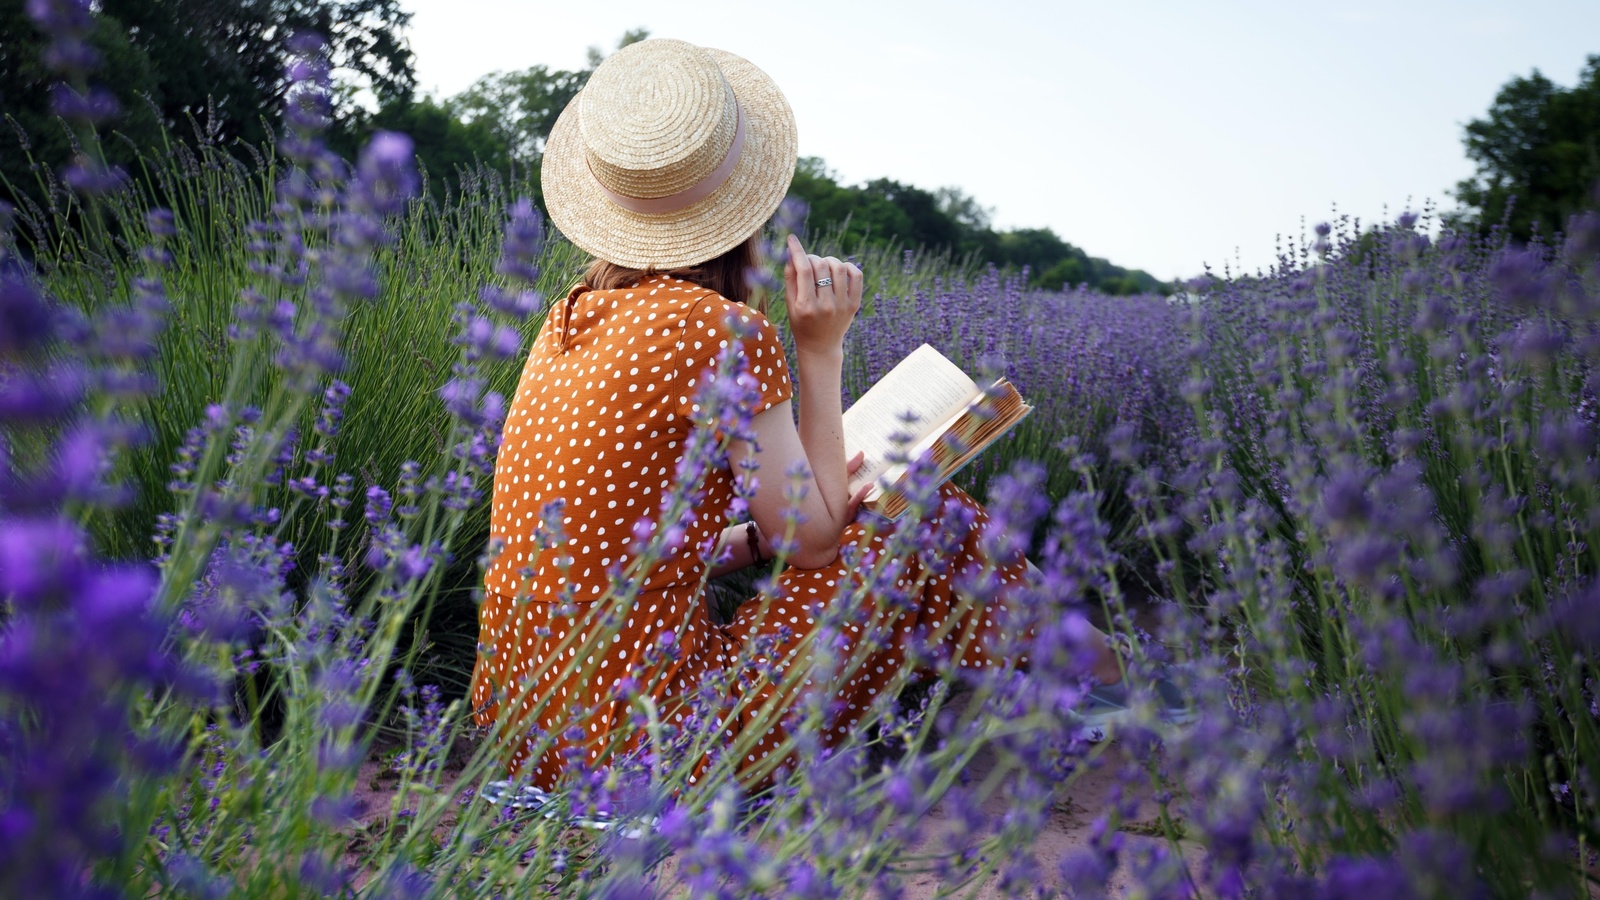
1366, 481
189, 710
1384, 538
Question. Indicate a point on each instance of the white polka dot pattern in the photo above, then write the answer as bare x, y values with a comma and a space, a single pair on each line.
600, 413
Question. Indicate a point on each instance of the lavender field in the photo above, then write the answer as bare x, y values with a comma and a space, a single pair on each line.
249, 423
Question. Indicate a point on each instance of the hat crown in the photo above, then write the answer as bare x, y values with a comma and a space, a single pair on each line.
657, 117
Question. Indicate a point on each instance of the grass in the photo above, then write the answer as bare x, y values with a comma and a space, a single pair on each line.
1352, 473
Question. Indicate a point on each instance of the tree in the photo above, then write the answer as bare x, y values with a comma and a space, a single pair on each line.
223, 61
631, 36
924, 222
519, 107
1539, 144
522, 107
220, 61
502, 121
25, 100
445, 146
884, 210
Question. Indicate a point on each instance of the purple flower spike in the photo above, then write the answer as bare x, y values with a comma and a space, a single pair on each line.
25, 319
1522, 278
517, 304
1576, 618
387, 173
524, 241
415, 563
68, 24
94, 107
161, 223
91, 178
40, 558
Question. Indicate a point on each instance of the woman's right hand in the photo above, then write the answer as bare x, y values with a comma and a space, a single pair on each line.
819, 315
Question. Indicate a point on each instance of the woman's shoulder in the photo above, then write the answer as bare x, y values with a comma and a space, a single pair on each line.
716, 311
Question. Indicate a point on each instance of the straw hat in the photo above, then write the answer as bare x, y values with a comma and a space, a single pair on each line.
671, 155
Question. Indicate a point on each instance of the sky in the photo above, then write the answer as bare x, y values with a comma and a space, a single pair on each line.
1164, 136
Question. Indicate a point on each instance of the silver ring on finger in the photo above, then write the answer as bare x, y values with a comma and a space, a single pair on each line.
824, 282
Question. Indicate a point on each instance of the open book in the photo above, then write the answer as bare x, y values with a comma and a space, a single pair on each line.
949, 424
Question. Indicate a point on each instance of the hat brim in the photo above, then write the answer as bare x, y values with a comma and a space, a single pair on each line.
695, 233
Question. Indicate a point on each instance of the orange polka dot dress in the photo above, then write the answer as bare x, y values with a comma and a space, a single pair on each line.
600, 414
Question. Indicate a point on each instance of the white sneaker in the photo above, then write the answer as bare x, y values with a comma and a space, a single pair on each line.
1109, 705
532, 799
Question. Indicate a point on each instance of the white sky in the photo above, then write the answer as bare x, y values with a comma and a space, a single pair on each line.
1159, 135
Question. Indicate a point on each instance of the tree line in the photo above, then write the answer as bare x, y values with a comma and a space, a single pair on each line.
213, 70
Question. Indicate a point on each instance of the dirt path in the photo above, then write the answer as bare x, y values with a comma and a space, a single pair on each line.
1067, 828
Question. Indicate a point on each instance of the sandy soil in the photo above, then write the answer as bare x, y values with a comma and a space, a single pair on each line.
1067, 827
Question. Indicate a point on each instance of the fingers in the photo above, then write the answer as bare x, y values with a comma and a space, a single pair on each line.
855, 462
801, 262
854, 508
820, 314
803, 270
844, 286
847, 281
854, 281
820, 271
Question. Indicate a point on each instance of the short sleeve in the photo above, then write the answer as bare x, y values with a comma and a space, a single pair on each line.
711, 325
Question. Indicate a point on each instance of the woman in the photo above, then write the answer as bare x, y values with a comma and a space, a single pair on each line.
666, 167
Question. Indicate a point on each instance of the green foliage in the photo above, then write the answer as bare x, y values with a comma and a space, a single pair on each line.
499, 123
522, 107
36, 143
398, 348
1056, 264
218, 63
225, 58
448, 148
519, 107
884, 211
1537, 153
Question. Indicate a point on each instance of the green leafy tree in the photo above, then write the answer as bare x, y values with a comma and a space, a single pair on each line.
1539, 144
522, 107
883, 210
924, 222
501, 122
33, 142
826, 200
219, 63
446, 146
222, 61
519, 107
964, 210
631, 36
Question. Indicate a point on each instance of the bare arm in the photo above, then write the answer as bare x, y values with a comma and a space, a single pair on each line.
737, 541
822, 424
820, 525
819, 316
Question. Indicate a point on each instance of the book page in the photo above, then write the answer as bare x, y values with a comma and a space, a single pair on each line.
956, 442
924, 383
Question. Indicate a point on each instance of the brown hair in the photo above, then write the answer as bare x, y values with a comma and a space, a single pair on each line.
727, 274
